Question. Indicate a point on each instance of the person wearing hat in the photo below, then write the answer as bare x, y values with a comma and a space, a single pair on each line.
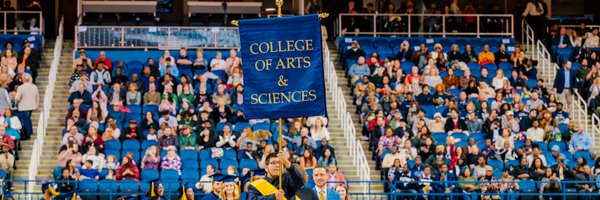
132, 132
217, 186
82, 60
437, 124
231, 189
439, 56
291, 181
187, 192
49, 191
156, 192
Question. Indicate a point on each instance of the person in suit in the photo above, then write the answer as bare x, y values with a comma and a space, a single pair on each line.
565, 84
27, 98
320, 178
560, 41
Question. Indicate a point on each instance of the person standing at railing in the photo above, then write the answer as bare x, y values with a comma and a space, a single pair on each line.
27, 98
533, 13
565, 84
351, 23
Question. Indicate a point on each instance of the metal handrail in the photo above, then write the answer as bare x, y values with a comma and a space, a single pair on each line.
47, 104
6, 29
528, 36
508, 31
167, 39
359, 159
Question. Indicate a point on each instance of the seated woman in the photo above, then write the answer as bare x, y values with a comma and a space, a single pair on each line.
151, 159
172, 160
308, 160
327, 158
226, 139
128, 169
12, 125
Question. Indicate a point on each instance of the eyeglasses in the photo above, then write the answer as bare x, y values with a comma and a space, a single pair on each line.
274, 163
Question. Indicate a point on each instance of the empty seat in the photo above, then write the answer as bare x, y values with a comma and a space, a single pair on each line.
129, 186
131, 145
149, 174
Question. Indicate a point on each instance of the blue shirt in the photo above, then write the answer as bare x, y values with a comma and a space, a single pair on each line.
567, 79
581, 140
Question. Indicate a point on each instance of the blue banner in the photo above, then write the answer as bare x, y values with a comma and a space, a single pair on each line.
283, 67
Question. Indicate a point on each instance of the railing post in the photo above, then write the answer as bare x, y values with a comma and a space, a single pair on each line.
409, 24
339, 24
4, 23
478, 26
443, 25
375, 25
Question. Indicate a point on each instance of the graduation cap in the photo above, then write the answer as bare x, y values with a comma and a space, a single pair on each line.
49, 186
184, 188
230, 179
218, 177
251, 174
7, 194
153, 183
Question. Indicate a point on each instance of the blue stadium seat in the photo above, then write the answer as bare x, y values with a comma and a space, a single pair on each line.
135, 110
169, 174
116, 153
149, 175
108, 186
206, 162
227, 162
585, 154
455, 92
429, 110
112, 145
56, 172
189, 164
229, 154
505, 66
543, 146
205, 154
498, 173
190, 176
531, 83
492, 67
135, 153
463, 143
477, 136
145, 187
527, 186
549, 158
239, 127
170, 185
129, 186
188, 155
221, 125
459, 73
518, 144
442, 110
563, 127
151, 108
439, 137
461, 136
407, 67
135, 66
132, 145
496, 164
261, 126
148, 143
252, 164
411, 163
481, 144
88, 186
514, 163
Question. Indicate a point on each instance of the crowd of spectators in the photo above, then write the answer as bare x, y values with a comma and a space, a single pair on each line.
18, 99
172, 111
23, 22
425, 128
429, 24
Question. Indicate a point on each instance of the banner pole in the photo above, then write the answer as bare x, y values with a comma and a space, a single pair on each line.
280, 149
279, 3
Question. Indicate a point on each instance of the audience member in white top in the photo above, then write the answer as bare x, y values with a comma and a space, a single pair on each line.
218, 63
319, 131
498, 81
535, 133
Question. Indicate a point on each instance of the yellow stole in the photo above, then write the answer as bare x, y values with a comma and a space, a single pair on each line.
265, 188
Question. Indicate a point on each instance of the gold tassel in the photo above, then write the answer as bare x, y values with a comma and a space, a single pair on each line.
152, 193
52, 192
74, 197
184, 195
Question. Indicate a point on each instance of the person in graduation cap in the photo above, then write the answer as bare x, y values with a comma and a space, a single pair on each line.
156, 192
49, 191
216, 187
7, 195
267, 188
251, 176
230, 190
187, 192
